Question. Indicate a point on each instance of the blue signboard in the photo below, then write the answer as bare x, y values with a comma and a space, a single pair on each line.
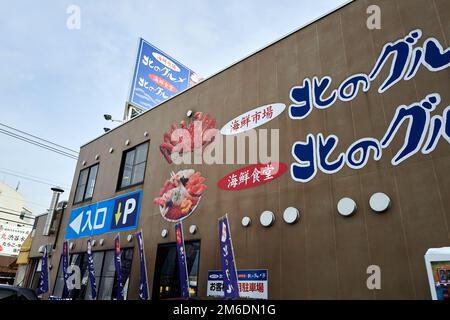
243, 275
156, 77
116, 214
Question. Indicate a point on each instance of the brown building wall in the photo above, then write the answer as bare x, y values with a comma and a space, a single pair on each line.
324, 255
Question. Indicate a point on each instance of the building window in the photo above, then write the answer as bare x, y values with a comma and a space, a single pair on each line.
166, 282
37, 269
106, 283
77, 259
59, 283
98, 257
105, 275
132, 170
86, 184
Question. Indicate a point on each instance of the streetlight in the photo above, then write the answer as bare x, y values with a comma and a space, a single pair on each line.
108, 117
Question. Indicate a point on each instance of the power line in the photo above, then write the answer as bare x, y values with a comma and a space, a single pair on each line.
18, 215
12, 210
29, 175
35, 179
36, 137
28, 224
36, 143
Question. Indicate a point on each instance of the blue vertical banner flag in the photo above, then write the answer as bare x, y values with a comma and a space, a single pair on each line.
43, 280
230, 278
143, 283
182, 265
118, 265
91, 270
157, 77
65, 261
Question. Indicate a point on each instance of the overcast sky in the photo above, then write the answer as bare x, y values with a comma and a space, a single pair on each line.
57, 83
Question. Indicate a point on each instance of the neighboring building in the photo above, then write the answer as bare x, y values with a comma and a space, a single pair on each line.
12, 207
23, 262
339, 187
15, 225
31, 278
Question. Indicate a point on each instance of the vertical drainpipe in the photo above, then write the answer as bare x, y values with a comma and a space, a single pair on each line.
59, 225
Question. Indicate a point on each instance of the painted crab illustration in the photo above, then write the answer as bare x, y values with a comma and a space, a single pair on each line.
199, 133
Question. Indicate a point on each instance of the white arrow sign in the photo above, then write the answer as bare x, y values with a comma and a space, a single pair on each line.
76, 223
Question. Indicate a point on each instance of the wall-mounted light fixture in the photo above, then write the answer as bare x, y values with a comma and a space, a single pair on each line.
108, 117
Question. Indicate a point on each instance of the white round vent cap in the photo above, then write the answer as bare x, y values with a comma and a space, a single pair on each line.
379, 202
267, 218
246, 221
291, 215
346, 207
192, 229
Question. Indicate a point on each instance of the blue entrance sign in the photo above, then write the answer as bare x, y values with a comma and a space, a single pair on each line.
156, 77
112, 215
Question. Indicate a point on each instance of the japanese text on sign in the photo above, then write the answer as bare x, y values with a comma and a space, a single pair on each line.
251, 283
12, 238
424, 129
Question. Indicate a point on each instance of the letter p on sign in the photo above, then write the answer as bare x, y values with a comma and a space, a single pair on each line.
130, 205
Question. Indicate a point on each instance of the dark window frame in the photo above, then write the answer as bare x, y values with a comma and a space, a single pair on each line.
82, 259
157, 268
84, 199
122, 167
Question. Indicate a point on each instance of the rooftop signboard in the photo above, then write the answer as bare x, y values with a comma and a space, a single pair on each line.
157, 77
